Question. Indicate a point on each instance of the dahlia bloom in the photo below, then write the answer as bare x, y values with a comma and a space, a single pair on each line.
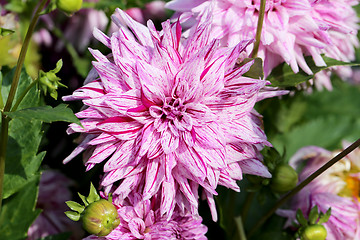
337, 187
142, 220
169, 114
53, 192
291, 29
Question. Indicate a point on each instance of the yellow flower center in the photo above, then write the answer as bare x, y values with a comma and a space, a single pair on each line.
352, 187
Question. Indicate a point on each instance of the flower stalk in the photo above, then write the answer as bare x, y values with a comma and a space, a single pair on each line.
4, 119
259, 28
290, 194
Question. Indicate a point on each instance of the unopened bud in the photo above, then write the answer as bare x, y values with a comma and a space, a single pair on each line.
284, 178
69, 6
314, 232
100, 218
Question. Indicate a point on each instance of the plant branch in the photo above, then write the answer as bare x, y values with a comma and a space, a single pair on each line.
259, 28
327, 165
5, 120
21, 59
3, 145
19, 100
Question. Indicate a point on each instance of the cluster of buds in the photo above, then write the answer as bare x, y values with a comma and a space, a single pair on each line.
99, 216
49, 82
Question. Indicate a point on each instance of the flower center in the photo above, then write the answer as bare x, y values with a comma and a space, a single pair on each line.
174, 112
352, 188
173, 109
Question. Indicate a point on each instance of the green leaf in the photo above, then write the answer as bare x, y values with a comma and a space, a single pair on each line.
75, 206
83, 198
60, 236
256, 70
46, 114
75, 216
313, 215
5, 31
283, 75
22, 158
300, 218
93, 195
325, 217
18, 212
326, 132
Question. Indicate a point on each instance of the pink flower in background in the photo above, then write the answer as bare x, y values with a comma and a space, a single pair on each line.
142, 220
79, 27
170, 114
338, 188
292, 28
53, 192
154, 10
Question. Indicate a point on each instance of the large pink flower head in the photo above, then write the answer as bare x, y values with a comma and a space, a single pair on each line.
291, 29
338, 188
141, 219
169, 114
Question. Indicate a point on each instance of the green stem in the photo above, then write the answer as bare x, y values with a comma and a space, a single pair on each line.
19, 100
259, 28
69, 47
240, 228
247, 205
5, 120
21, 59
327, 165
3, 145
1, 99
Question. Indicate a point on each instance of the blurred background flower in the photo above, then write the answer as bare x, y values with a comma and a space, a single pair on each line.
337, 188
54, 191
291, 29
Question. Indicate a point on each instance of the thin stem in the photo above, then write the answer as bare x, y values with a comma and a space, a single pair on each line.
3, 145
327, 165
19, 100
5, 120
240, 228
1, 99
21, 59
247, 204
259, 28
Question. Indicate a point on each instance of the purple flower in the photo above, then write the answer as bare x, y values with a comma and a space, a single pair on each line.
142, 220
53, 192
169, 114
338, 188
291, 29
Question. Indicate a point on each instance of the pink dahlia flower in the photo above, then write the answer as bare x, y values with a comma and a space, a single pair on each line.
53, 192
338, 188
291, 29
169, 114
141, 219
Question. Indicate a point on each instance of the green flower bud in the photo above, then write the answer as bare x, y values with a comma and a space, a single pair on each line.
284, 178
314, 232
49, 82
69, 6
100, 218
